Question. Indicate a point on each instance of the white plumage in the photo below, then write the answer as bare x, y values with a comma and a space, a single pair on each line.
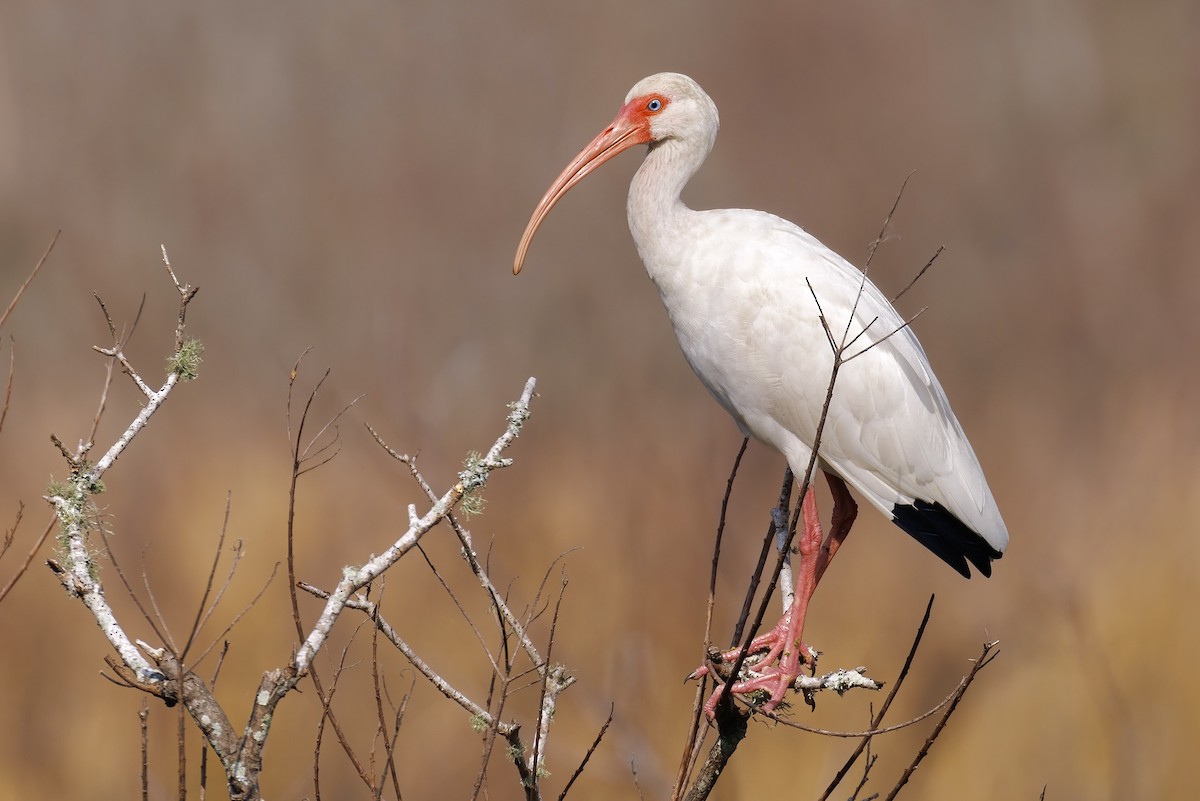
750, 328
742, 289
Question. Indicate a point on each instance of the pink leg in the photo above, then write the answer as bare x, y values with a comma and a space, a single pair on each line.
845, 510
776, 671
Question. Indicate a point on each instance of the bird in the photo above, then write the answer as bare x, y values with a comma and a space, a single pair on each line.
767, 317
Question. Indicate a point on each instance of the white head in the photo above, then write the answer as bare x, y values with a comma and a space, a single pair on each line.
686, 111
662, 108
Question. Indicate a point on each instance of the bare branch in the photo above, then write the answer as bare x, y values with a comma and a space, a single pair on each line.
716, 557
327, 715
229, 627
29, 557
985, 658
152, 621
8, 387
555, 679
202, 614
472, 558
691, 749
887, 702
143, 720
371, 609
353, 579
36, 268
885, 337
920, 273
887, 221
591, 750
731, 730
458, 605
12, 532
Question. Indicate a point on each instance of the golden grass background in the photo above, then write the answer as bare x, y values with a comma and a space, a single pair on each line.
355, 177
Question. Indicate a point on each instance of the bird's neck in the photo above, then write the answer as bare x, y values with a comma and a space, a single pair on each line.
658, 218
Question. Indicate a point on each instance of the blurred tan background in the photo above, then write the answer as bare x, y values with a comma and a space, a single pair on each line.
355, 177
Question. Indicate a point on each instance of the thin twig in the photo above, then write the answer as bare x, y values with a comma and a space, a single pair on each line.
552, 685
887, 702
29, 557
906, 324
866, 774
143, 720
500, 698
392, 741
8, 387
297, 470
151, 620
204, 749
458, 605
253, 602
36, 268
181, 739
920, 273
443, 686
696, 730
591, 750
874, 730
887, 221
201, 615
716, 557
327, 714
162, 629
985, 658
464, 537
11, 533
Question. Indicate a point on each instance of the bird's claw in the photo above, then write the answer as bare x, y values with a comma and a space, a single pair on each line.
763, 679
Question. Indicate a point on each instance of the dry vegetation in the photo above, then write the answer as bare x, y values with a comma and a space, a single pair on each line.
354, 177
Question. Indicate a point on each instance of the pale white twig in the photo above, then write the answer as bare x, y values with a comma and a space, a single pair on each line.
355, 578
779, 518
469, 553
73, 501
444, 687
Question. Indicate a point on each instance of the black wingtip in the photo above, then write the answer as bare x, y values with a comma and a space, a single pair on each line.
932, 525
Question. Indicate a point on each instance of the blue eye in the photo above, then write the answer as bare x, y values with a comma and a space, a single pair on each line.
654, 105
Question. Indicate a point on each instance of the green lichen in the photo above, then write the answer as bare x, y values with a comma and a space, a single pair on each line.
71, 500
517, 416
472, 504
473, 478
60, 489
186, 362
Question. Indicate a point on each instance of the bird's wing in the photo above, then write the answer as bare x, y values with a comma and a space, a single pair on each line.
890, 432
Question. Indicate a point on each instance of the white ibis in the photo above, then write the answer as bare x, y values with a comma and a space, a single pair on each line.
746, 292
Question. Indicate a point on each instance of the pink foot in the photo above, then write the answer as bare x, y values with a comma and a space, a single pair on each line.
768, 672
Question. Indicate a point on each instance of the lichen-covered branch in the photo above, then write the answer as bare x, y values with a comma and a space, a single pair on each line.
72, 499
355, 578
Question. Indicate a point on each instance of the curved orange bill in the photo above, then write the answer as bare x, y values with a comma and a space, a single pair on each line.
624, 133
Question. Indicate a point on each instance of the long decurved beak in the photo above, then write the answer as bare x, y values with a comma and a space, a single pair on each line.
622, 134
